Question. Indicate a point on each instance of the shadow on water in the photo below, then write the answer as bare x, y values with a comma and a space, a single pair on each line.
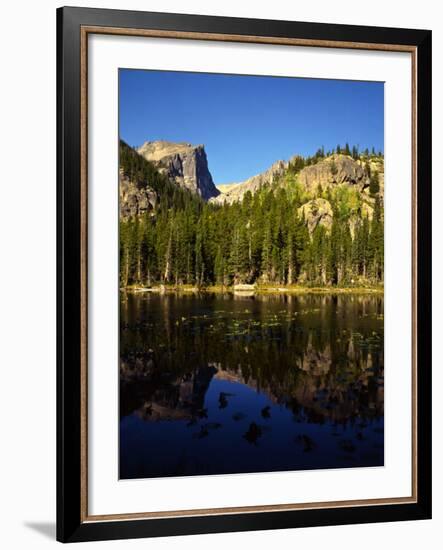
213, 384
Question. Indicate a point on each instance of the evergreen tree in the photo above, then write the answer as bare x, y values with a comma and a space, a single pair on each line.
199, 260
220, 268
374, 184
376, 244
266, 255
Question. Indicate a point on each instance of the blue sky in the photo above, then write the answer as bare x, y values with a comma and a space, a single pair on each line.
248, 122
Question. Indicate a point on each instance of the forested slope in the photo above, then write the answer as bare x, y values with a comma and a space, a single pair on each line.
318, 222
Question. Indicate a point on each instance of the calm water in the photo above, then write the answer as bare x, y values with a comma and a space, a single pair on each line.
213, 384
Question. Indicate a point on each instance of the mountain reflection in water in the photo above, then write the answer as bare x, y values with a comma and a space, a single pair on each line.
213, 384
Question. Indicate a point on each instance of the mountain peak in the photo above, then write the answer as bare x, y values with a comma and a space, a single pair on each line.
158, 149
182, 162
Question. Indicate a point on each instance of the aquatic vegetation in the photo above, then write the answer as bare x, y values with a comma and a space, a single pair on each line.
257, 375
306, 442
253, 434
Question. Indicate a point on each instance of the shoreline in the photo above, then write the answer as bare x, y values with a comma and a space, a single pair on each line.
251, 290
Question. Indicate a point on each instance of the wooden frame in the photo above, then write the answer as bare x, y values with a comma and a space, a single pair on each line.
73, 26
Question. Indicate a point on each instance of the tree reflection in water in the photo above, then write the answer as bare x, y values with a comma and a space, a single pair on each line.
229, 384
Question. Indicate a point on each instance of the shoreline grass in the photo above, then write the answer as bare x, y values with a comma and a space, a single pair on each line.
256, 289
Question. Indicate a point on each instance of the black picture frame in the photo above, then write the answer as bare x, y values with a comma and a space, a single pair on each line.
71, 526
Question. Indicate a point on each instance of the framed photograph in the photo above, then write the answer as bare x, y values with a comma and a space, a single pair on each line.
244, 274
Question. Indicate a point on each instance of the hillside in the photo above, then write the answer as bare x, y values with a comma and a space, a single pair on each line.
335, 169
143, 188
236, 191
308, 221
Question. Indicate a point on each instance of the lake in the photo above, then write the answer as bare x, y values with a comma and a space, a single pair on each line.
223, 383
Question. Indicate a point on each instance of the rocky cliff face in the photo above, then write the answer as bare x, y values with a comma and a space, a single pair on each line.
135, 199
316, 212
329, 172
334, 170
319, 212
235, 192
340, 170
183, 163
